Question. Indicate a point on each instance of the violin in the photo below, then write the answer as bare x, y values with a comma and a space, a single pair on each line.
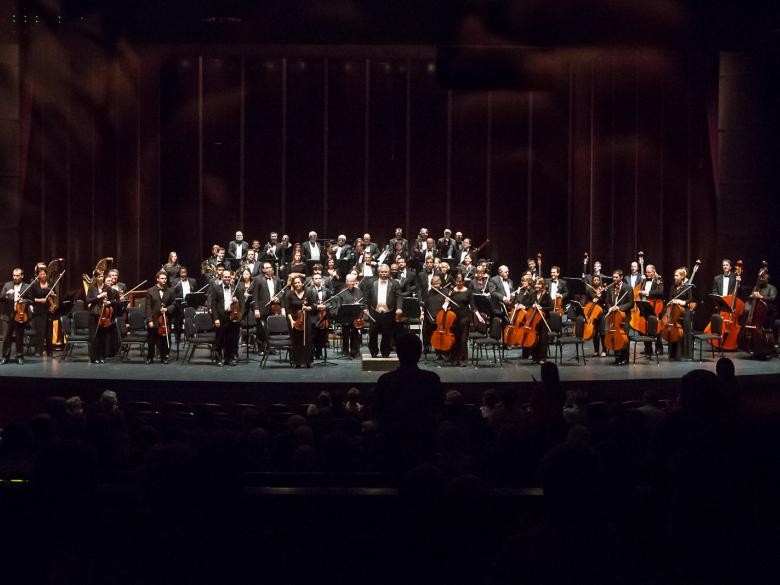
21, 314
299, 324
106, 315
616, 337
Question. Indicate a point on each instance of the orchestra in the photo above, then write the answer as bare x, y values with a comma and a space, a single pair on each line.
452, 283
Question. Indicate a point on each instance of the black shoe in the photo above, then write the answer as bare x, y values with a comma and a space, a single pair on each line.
149, 360
3, 361
373, 355
164, 360
20, 361
385, 355
220, 363
234, 362
621, 362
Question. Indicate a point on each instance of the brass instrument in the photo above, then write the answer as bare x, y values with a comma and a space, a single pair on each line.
101, 268
208, 270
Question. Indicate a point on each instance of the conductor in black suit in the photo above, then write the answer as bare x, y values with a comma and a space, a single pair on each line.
227, 330
384, 300
158, 299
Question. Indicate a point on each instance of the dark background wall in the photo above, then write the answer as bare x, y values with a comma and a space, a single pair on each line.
131, 146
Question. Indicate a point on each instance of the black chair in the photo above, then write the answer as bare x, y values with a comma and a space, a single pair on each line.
137, 335
278, 337
77, 326
650, 337
716, 334
199, 332
492, 340
576, 340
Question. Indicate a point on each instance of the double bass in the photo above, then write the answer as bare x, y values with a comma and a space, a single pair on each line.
731, 327
752, 338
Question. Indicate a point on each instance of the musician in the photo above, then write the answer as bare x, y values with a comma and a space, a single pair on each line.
588, 278
298, 265
14, 331
295, 301
383, 301
286, 250
425, 278
466, 269
681, 295
113, 275
227, 327
479, 284
217, 278
540, 299
430, 307
724, 284
238, 248
399, 237
332, 275
446, 246
366, 267
465, 252
532, 269
120, 306
768, 293
397, 251
620, 297
369, 245
257, 248
652, 288
463, 305
634, 276
458, 242
171, 267
251, 262
350, 335
556, 286
312, 251
214, 258
501, 292
407, 278
265, 292
317, 294
595, 294
430, 250
158, 299
183, 285
272, 251
100, 297
38, 293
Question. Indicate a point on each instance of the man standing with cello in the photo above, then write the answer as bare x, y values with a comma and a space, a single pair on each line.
620, 297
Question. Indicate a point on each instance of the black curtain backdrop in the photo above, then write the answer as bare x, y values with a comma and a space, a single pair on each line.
131, 152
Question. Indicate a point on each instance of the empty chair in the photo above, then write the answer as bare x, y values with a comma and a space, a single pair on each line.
278, 336
650, 337
576, 340
716, 334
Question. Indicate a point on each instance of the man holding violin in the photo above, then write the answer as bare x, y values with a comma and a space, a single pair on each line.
227, 310
14, 332
158, 299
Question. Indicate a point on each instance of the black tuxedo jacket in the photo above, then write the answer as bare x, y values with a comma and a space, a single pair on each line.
154, 302
393, 296
271, 253
232, 250
217, 303
261, 294
624, 296
178, 293
563, 287
307, 248
408, 284
497, 292
640, 279
422, 284
446, 248
404, 241
7, 302
717, 284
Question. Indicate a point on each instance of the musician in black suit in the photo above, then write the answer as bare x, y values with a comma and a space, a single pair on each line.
620, 297
424, 278
318, 294
14, 332
399, 237
501, 291
312, 251
369, 245
350, 335
725, 284
556, 286
407, 278
264, 288
680, 294
158, 299
227, 329
238, 248
272, 251
383, 301
465, 251
182, 286
634, 277
251, 263
446, 246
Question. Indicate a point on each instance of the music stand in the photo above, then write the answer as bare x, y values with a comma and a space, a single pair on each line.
577, 308
720, 304
346, 315
645, 309
195, 299
248, 307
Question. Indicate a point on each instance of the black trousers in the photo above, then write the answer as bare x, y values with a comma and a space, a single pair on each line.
100, 338
42, 325
383, 323
350, 339
460, 351
14, 333
154, 339
227, 339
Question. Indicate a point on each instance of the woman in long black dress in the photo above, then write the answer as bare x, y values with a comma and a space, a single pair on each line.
294, 302
463, 305
41, 318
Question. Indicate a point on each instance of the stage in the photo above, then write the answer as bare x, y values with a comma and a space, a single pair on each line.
24, 387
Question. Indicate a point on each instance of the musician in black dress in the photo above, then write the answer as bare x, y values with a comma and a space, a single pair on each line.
295, 301
38, 293
14, 331
171, 267
463, 304
101, 296
158, 299
679, 295
595, 295
226, 324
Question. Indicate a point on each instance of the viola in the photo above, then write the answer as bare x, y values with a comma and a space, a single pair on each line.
275, 309
443, 338
322, 319
20, 311
359, 323
558, 308
162, 324
299, 324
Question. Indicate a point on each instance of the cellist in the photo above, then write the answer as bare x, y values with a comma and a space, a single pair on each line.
595, 293
652, 288
724, 284
620, 297
431, 305
540, 299
680, 295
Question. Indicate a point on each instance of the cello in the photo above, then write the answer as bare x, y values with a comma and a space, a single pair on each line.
593, 311
443, 338
616, 337
731, 327
637, 322
529, 336
671, 329
752, 338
